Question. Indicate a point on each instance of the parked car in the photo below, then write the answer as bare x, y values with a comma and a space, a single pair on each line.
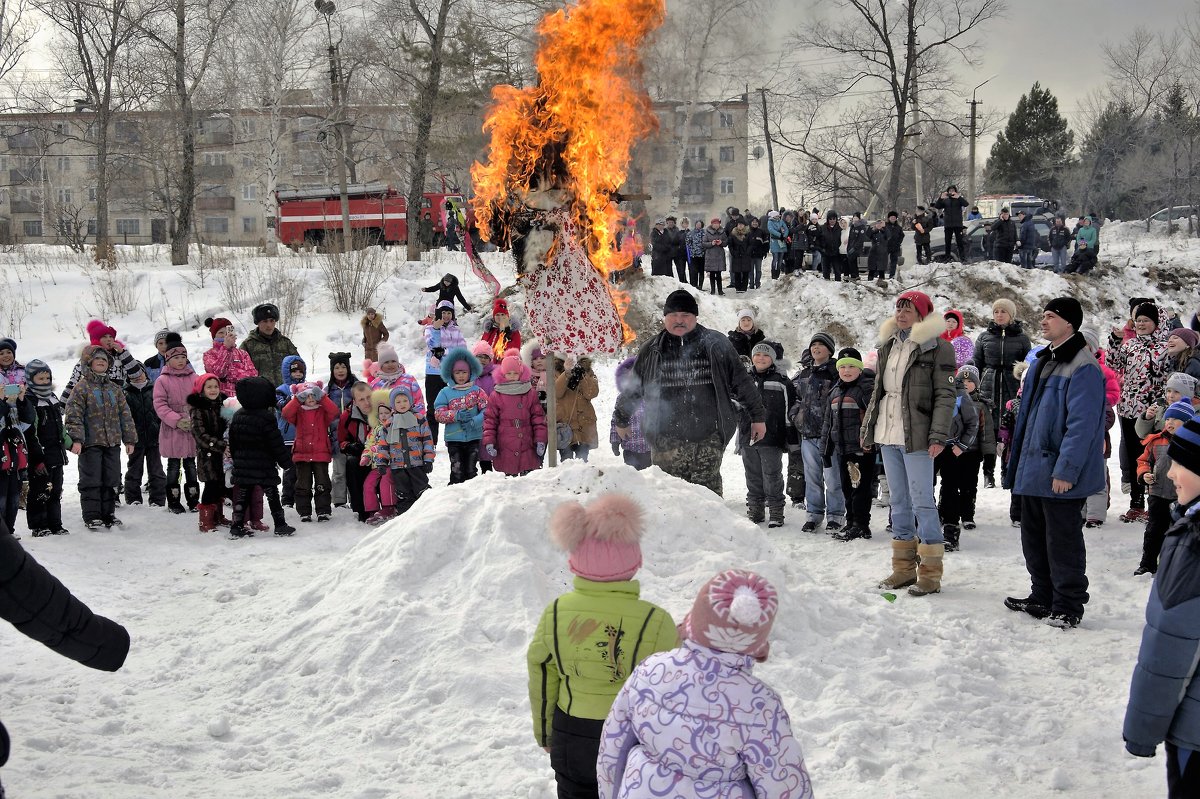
1174, 213
974, 239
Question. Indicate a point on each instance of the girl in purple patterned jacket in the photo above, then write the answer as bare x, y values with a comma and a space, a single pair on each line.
694, 720
636, 449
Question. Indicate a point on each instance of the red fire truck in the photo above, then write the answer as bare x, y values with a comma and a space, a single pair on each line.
378, 213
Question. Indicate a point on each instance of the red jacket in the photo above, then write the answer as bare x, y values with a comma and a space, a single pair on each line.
312, 430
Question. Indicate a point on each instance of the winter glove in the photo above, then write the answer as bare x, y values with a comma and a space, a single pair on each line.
438, 352
616, 449
541, 448
490, 449
184, 424
429, 468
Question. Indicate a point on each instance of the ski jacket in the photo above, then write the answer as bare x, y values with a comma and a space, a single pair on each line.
848, 403
409, 447
447, 289
311, 429
964, 424
778, 395
985, 441
283, 395
637, 439
964, 350
812, 385
1154, 460
229, 366
401, 379
574, 392
695, 722
1059, 431
1089, 235
1060, 237
141, 408
777, 231
996, 350
1028, 234
585, 646
1164, 695
1140, 364
121, 366
97, 415
171, 391
439, 340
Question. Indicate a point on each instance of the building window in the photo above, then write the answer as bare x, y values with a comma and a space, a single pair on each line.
64, 163
249, 224
697, 151
91, 227
216, 224
727, 154
726, 185
61, 128
129, 227
32, 228
727, 119
91, 194
214, 159
248, 126
91, 162
249, 192
247, 161
65, 197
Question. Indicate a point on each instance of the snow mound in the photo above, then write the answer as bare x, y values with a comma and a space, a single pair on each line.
417, 641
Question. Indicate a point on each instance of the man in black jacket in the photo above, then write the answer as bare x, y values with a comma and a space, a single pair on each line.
1005, 232
689, 378
41, 607
678, 248
662, 249
952, 205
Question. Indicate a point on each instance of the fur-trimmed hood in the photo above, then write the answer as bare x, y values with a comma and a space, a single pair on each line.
924, 332
366, 322
452, 357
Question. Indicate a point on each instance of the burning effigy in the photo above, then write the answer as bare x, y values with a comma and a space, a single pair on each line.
558, 154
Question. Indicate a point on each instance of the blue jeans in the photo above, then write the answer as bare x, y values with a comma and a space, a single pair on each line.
816, 260
910, 481
777, 259
1060, 259
756, 273
823, 497
1028, 258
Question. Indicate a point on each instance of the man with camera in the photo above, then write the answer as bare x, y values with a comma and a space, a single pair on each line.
952, 204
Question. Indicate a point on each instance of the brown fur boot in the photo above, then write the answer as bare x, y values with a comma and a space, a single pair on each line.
904, 565
929, 574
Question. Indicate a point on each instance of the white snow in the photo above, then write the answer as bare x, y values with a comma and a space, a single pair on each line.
390, 663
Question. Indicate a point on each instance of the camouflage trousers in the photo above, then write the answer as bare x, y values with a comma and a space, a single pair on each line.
697, 462
795, 476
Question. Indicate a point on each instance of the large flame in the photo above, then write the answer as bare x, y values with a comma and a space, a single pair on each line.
575, 130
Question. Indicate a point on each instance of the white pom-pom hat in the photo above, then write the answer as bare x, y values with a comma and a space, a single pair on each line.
603, 539
733, 612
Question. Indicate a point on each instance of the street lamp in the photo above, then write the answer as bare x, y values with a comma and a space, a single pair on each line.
326, 8
971, 148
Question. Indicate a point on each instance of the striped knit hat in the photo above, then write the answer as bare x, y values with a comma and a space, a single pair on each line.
1185, 446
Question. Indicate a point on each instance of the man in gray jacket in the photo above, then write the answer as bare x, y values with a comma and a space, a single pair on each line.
689, 377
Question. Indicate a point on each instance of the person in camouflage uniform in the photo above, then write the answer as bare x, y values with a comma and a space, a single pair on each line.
267, 346
688, 378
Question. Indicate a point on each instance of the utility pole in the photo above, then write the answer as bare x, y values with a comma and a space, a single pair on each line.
974, 135
770, 152
326, 9
918, 176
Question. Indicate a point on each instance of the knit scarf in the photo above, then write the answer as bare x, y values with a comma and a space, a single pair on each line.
45, 395
514, 389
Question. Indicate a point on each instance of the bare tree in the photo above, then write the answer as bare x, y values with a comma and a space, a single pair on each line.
697, 54
186, 33
894, 52
92, 55
16, 35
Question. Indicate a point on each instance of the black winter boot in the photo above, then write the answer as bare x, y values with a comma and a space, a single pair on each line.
173, 496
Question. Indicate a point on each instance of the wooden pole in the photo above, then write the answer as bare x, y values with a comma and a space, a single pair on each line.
551, 410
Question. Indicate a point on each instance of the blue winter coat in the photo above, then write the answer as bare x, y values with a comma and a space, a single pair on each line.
283, 393
1060, 428
1164, 697
1028, 234
778, 231
460, 408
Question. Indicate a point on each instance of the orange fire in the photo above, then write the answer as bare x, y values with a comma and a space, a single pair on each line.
575, 130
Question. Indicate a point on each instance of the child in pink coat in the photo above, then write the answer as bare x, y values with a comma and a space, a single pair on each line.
514, 425
311, 413
175, 440
225, 360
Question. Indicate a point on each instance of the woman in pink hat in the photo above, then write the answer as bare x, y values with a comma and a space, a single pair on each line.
695, 718
591, 638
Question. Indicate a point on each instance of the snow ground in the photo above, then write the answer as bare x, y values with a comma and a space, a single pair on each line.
390, 663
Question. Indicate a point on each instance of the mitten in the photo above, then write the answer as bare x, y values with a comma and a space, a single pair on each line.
616, 449
184, 424
491, 450
541, 448
429, 468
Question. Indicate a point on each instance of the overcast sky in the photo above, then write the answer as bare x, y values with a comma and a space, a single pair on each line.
1055, 42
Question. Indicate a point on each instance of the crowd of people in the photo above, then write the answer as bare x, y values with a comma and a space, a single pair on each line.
836, 247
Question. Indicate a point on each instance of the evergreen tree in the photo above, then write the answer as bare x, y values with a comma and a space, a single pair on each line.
1034, 149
